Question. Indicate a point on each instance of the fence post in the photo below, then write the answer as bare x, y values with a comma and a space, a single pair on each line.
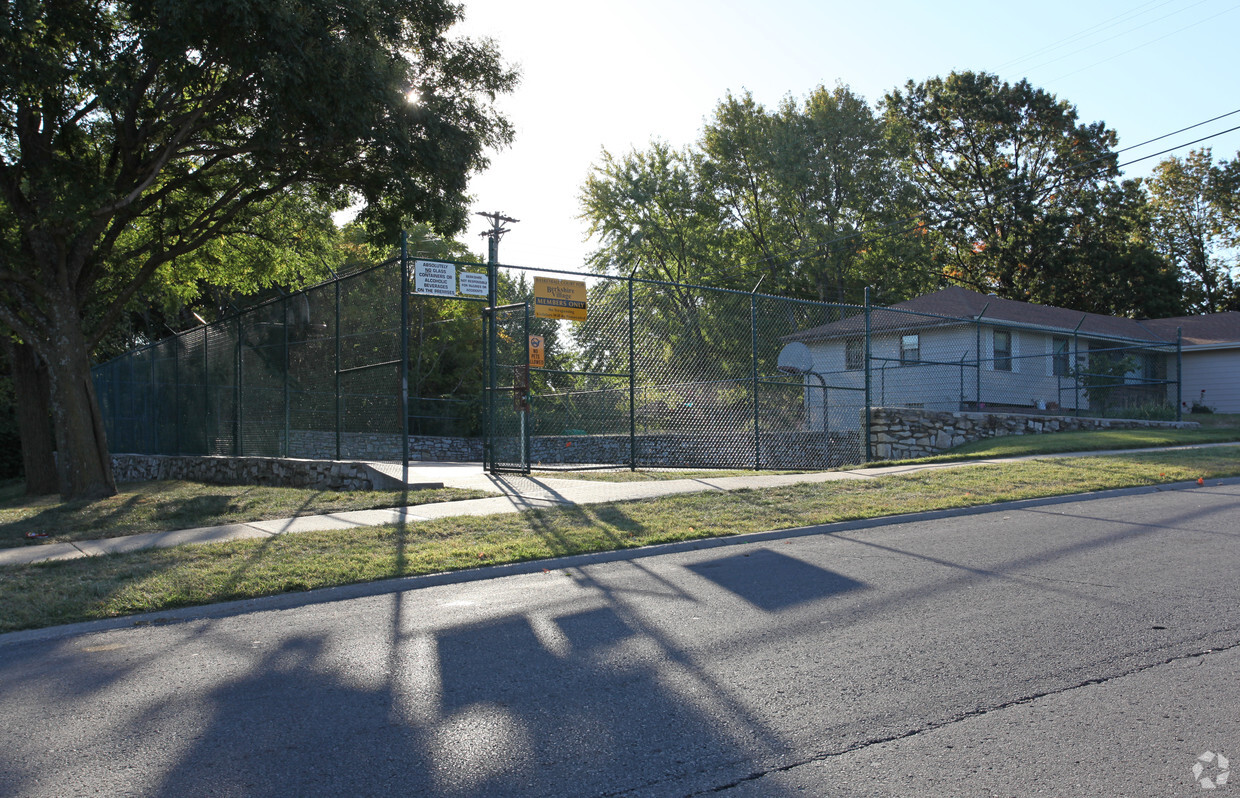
337, 386
869, 446
1076, 368
963, 355
977, 358
176, 392
237, 393
753, 334
206, 391
1179, 375
977, 351
632, 387
152, 415
404, 355
526, 420
286, 385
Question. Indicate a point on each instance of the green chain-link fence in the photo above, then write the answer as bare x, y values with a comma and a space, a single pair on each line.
316, 374
658, 374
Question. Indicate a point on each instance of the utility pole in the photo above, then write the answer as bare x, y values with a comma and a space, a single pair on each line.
498, 220
489, 353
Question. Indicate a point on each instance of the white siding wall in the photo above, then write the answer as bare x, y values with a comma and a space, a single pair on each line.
1218, 374
937, 383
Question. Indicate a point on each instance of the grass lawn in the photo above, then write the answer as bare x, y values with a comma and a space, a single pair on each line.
1096, 440
1215, 420
164, 506
60, 592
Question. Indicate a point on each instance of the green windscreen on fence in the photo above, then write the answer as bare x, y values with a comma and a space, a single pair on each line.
657, 374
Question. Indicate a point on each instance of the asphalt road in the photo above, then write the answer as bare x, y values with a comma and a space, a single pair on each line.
1089, 647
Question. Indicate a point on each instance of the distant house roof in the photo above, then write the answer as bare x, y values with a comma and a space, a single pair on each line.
1212, 330
956, 303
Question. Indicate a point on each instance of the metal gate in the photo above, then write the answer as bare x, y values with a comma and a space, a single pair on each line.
507, 445
654, 375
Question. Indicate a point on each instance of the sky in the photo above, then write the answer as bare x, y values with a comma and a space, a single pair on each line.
616, 76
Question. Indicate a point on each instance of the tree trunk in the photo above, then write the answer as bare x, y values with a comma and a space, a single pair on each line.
31, 398
83, 462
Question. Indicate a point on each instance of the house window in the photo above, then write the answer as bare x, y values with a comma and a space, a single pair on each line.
910, 348
1060, 364
1153, 366
1003, 350
854, 354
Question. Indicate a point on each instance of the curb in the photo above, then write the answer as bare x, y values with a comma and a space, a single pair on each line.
286, 601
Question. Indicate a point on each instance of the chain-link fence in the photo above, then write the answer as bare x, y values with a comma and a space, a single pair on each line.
918, 361
661, 375
316, 374
656, 374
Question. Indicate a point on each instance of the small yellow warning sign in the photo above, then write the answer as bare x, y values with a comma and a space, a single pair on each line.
559, 299
538, 353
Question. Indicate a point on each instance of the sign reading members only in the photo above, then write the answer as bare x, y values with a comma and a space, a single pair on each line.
439, 279
559, 299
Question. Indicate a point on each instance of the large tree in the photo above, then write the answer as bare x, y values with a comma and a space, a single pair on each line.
1196, 227
1004, 172
1108, 263
804, 197
134, 132
802, 193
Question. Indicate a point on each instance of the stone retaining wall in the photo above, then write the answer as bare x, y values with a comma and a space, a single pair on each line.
777, 450
902, 434
382, 446
790, 450
274, 471
896, 434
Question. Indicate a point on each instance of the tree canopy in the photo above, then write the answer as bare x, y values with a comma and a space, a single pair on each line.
792, 196
1003, 173
967, 179
1194, 202
135, 132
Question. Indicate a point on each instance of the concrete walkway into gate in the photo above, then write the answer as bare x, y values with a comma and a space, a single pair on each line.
513, 494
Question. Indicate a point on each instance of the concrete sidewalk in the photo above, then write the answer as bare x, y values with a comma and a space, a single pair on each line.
515, 493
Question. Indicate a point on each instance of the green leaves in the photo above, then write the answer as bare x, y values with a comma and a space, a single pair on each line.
799, 197
176, 117
1001, 170
200, 142
1194, 203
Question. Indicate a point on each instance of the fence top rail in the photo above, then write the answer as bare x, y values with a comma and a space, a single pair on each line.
232, 317
667, 283
1018, 325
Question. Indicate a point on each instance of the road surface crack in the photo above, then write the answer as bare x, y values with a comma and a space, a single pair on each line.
931, 727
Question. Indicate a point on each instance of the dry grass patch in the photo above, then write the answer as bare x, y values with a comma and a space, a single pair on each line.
170, 505
52, 593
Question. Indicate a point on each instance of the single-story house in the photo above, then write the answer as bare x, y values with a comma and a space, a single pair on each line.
1211, 358
957, 349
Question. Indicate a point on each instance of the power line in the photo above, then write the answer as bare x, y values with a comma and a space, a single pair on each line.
1180, 146
1139, 46
1083, 34
1126, 33
1181, 130
910, 223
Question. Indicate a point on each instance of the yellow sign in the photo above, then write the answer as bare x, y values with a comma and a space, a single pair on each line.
538, 354
559, 299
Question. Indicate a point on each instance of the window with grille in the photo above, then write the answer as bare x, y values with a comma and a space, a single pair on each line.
854, 354
1003, 350
1060, 362
910, 348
